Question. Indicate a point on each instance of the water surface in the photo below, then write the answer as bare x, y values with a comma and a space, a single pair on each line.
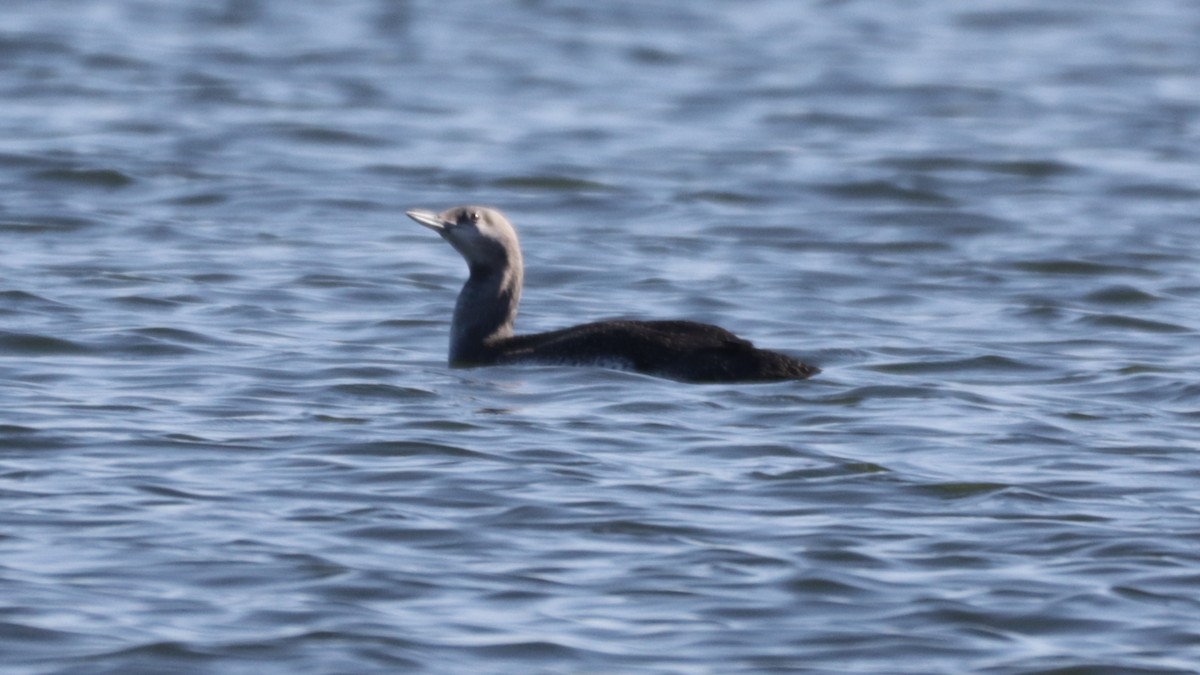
229, 441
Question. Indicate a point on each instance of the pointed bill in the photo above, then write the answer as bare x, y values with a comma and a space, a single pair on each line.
427, 218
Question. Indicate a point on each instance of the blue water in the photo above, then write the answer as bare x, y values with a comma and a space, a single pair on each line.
230, 443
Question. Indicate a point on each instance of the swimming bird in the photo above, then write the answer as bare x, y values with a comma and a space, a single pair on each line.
481, 332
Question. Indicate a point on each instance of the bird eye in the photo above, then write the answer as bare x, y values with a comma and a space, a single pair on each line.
475, 216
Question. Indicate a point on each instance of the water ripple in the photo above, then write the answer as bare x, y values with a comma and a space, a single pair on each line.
230, 441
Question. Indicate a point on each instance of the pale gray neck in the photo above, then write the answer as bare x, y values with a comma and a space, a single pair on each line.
486, 310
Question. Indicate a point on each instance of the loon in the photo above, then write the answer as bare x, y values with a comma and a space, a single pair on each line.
481, 332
